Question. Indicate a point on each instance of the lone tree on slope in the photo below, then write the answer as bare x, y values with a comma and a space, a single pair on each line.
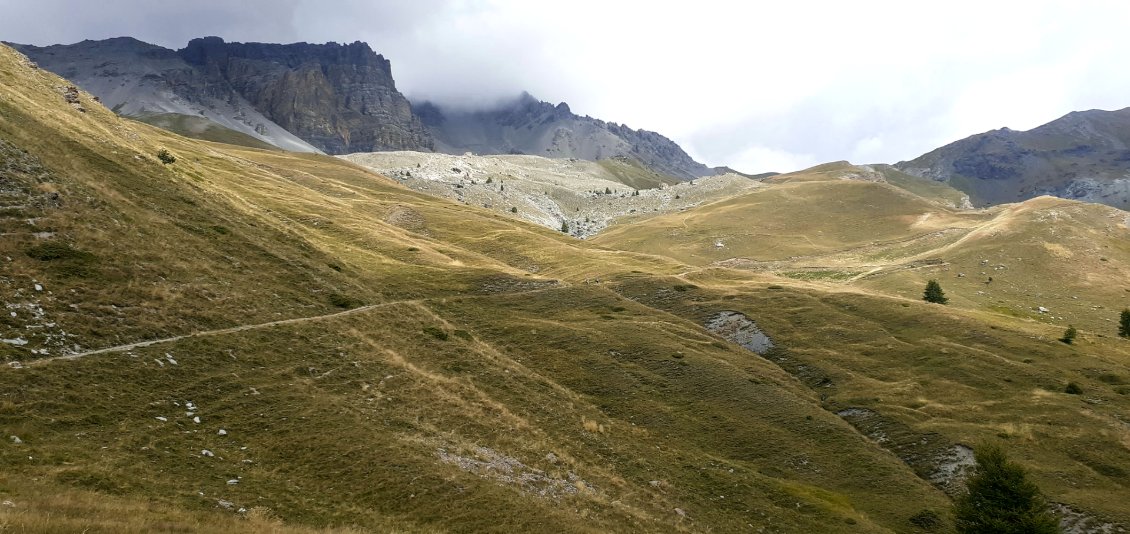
1069, 335
1124, 323
934, 293
1001, 499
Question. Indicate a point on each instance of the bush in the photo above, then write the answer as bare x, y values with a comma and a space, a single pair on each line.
1001, 499
1073, 389
166, 157
437, 333
564, 227
343, 301
926, 520
514, 209
1069, 335
1124, 323
934, 293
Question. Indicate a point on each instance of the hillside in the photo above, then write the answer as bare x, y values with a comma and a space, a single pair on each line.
252, 340
583, 197
1083, 155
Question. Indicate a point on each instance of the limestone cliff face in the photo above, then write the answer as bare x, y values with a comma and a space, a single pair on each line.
339, 98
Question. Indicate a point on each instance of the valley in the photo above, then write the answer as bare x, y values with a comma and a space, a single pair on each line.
248, 339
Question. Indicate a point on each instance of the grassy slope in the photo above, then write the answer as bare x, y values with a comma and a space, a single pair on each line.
986, 367
385, 418
633, 174
202, 128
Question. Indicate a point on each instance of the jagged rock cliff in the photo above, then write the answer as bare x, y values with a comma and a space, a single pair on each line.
1084, 155
529, 126
334, 98
140, 80
340, 98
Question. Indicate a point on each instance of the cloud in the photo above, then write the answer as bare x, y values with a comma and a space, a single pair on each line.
738, 83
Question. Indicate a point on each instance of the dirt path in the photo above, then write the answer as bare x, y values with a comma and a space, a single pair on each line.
221, 331
244, 328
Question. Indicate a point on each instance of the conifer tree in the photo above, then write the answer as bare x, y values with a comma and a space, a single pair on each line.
1124, 323
564, 227
1001, 499
934, 293
1069, 335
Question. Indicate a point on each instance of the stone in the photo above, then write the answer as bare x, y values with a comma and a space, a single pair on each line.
207, 453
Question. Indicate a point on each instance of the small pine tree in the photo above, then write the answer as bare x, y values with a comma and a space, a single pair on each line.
934, 293
1124, 323
564, 227
1001, 499
607, 191
1069, 335
490, 180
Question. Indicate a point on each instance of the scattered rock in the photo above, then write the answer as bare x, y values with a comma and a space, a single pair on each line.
233, 481
207, 453
226, 505
196, 419
222, 432
15, 365
737, 328
16, 440
1042, 309
162, 419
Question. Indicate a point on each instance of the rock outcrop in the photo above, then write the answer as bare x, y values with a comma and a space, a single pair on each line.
1083, 155
339, 98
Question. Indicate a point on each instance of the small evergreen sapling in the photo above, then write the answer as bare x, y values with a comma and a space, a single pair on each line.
934, 293
1001, 499
1069, 335
1124, 323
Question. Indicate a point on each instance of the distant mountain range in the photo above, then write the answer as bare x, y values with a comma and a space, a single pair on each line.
334, 98
1083, 155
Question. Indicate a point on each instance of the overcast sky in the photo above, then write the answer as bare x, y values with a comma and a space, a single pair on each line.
755, 85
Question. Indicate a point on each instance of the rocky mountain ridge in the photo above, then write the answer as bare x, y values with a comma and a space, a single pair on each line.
336, 98
529, 126
1084, 155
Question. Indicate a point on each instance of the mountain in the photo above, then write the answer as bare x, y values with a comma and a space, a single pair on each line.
301, 97
1083, 155
527, 125
204, 337
332, 98
141, 80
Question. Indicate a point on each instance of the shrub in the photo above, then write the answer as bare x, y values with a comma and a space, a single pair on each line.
1001, 499
564, 227
166, 157
607, 191
514, 209
1073, 389
926, 520
934, 293
1124, 323
437, 333
1069, 335
343, 301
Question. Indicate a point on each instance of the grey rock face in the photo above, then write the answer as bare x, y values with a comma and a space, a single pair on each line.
136, 79
1082, 155
529, 126
340, 98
